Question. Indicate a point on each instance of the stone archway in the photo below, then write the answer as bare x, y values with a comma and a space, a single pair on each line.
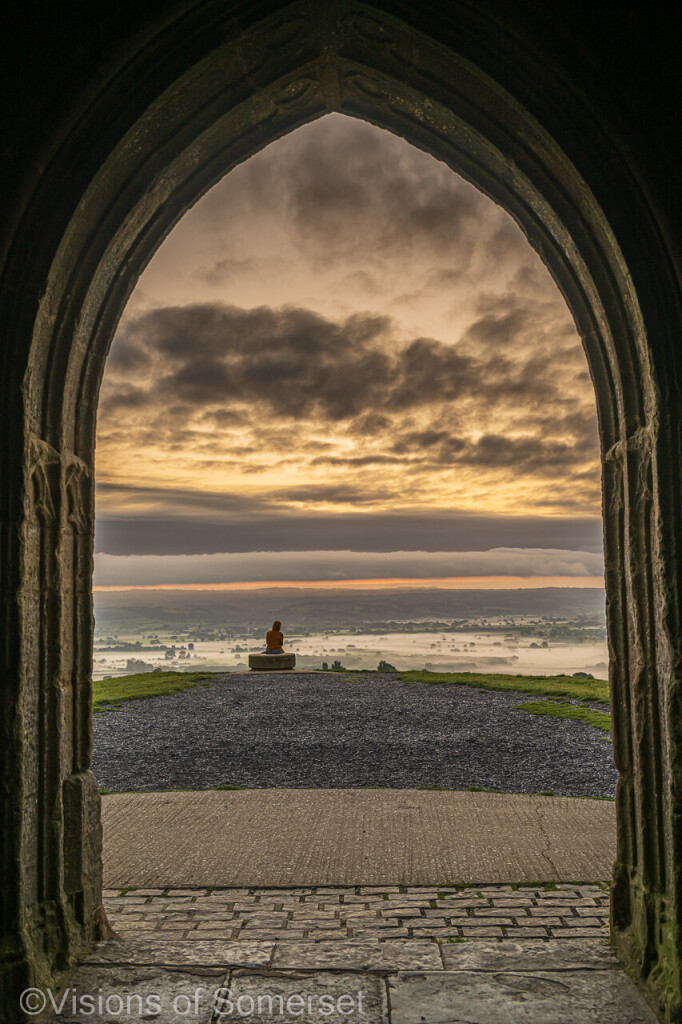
232, 91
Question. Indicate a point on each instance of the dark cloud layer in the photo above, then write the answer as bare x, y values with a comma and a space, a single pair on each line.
334, 566
263, 526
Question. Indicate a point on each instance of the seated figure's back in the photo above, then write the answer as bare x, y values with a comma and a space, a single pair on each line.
274, 638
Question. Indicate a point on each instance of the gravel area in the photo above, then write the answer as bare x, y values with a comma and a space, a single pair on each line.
329, 730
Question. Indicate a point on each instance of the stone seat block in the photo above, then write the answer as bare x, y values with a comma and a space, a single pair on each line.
271, 662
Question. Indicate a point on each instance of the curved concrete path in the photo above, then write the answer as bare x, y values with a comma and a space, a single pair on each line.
298, 837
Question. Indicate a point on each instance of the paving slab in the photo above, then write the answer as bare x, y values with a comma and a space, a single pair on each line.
299, 837
527, 955
359, 954
308, 998
138, 995
165, 952
477, 997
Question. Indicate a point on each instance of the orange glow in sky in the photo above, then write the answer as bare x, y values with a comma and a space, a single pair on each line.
447, 583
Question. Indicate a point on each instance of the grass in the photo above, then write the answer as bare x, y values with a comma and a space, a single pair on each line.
558, 709
108, 694
559, 688
596, 690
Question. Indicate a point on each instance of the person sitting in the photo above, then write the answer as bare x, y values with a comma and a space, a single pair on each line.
274, 639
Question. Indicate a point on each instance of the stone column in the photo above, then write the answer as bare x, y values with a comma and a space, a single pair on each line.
644, 633
52, 837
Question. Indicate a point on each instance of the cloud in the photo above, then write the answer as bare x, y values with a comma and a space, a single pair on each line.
347, 192
501, 329
128, 396
381, 184
340, 177
297, 364
293, 361
255, 566
247, 389
493, 451
227, 268
207, 522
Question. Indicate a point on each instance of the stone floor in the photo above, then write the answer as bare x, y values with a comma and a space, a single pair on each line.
497, 954
305, 837
281, 948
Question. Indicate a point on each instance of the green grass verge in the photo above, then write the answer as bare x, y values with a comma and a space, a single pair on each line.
556, 709
596, 690
108, 694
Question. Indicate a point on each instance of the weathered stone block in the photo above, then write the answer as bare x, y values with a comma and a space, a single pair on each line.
547, 998
271, 662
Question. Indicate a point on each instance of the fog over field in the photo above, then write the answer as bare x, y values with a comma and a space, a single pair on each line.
544, 631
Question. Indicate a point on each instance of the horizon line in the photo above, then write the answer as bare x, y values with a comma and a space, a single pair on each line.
444, 582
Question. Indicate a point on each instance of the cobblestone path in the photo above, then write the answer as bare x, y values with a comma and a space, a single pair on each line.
335, 915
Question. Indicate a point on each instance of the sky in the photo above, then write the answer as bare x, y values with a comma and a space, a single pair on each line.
346, 363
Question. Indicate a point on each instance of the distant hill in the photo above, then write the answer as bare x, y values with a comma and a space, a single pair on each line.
319, 610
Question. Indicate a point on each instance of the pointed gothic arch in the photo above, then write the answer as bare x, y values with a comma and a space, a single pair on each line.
223, 89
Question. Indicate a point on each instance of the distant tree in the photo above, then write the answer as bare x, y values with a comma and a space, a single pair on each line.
137, 665
385, 666
325, 666
338, 667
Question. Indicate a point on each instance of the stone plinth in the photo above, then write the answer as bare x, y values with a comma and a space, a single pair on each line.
271, 662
